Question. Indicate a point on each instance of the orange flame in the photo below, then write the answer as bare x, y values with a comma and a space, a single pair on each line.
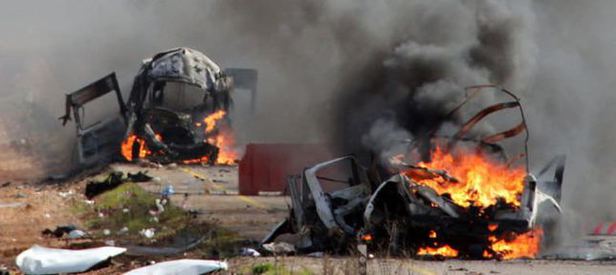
445, 251
366, 238
525, 245
211, 120
127, 147
492, 227
482, 181
223, 140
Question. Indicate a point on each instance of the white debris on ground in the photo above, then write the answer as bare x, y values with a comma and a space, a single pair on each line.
186, 267
43, 260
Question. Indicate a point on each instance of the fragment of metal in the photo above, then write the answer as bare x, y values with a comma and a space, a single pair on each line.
281, 228
475, 90
553, 186
327, 202
323, 200
469, 124
438, 201
96, 143
505, 134
76, 100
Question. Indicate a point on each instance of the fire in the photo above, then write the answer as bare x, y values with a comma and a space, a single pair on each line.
481, 180
223, 139
445, 251
366, 238
225, 142
211, 120
492, 227
522, 246
127, 147
195, 161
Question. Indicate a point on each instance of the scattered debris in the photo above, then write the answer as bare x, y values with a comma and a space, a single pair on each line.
249, 252
123, 230
60, 231
586, 250
12, 204
167, 191
185, 266
113, 180
139, 177
279, 248
43, 260
148, 233
317, 254
77, 234
66, 194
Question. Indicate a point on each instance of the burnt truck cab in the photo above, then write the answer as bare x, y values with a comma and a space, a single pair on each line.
162, 118
339, 203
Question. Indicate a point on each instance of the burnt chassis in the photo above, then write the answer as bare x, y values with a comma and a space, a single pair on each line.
399, 215
145, 115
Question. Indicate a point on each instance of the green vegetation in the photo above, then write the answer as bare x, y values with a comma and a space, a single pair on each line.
129, 206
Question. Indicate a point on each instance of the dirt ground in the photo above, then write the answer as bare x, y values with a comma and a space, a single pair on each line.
27, 209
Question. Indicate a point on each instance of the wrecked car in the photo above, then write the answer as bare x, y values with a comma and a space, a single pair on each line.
163, 118
456, 195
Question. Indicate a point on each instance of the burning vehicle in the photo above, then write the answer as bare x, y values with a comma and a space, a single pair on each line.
177, 110
458, 195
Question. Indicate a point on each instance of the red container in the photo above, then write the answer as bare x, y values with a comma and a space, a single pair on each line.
265, 167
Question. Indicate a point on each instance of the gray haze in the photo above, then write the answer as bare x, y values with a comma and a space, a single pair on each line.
320, 60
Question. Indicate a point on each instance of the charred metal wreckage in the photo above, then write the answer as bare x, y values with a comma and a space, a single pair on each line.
338, 204
171, 94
